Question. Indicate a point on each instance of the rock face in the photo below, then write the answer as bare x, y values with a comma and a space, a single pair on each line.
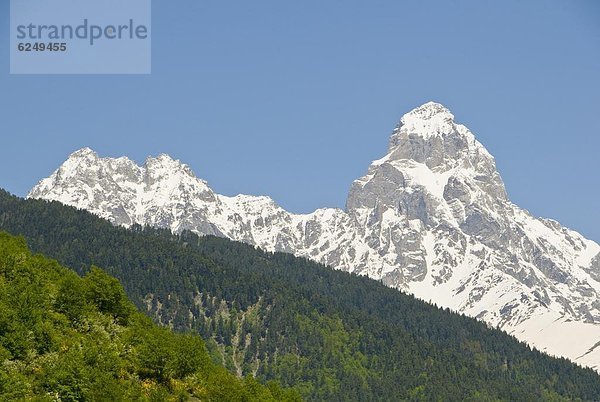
431, 218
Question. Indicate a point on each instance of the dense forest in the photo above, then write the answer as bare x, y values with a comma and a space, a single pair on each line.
67, 338
329, 334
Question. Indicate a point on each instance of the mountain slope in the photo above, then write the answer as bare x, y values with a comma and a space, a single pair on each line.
431, 218
68, 338
333, 335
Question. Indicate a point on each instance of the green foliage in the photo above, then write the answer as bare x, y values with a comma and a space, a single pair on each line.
107, 294
68, 338
329, 334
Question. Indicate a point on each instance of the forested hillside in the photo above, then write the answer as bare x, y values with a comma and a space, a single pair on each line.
332, 335
68, 338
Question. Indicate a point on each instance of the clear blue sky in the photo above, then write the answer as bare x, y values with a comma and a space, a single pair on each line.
293, 99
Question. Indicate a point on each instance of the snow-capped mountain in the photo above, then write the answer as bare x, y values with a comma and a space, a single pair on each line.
431, 218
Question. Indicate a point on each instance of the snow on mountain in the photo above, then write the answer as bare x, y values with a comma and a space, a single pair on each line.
431, 218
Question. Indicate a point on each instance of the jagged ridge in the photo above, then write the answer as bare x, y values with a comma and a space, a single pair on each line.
431, 217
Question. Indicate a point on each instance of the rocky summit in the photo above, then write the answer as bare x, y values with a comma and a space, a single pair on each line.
431, 218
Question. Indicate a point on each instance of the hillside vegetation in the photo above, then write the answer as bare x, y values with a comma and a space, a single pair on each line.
68, 338
332, 335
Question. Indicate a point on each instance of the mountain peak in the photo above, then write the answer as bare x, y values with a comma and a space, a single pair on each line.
168, 163
429, 134
428, 111
428, 120
163, 157
83, 153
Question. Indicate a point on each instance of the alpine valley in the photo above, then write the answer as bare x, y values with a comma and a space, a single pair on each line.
431, 218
